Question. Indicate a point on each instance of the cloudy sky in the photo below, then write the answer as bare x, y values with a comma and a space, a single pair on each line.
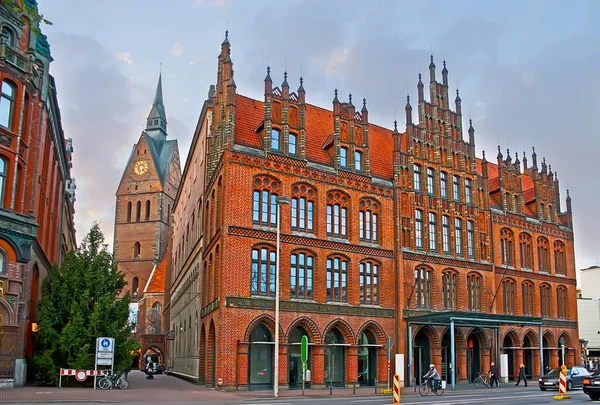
527, 73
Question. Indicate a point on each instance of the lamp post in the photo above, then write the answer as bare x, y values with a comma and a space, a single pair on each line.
280, 201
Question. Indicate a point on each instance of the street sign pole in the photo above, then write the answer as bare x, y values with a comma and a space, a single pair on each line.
390, 344
304, 358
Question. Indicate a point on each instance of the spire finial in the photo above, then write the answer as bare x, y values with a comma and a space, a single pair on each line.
395, 126
431, 64
335, 98
483, 152
419, 76
285, 83
350, 98
364, 107
408, 102
301, 88
445, 70
268, 77
226, 40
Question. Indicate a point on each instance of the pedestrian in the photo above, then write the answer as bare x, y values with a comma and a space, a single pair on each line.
495, 375
522, 375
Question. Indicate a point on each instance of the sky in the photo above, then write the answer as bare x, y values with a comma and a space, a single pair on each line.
527, 73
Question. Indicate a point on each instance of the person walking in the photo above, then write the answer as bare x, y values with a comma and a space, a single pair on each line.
495, 375
522, 375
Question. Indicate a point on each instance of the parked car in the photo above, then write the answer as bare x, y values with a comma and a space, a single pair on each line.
575, 377
591, 386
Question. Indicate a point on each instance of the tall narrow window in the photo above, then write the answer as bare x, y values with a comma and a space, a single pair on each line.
561, 302
468, 191
526, 250
543, 255
369, 283
516, 203
135, 285
358, 163
446, 234
449, 290
444, 184
7, 104
432, 232
301, 276
368, 220
264, 203
545, 309
458, 236
474, 292
430, 178
343, 157
147, 210
129, 206
275, 138
337, 214
137, 250
417, 177
292, 144
527, 299
456, 187
419, 229
303, 208
471, 239
508, 288
560, 262
337, 279
7, 36
423, 287
263, 271
138, 211
507, 248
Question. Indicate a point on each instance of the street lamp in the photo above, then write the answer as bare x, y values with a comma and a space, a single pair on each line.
280, 201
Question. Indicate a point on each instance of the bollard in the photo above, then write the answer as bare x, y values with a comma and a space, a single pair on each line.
330, 388
375, 385
415, 385
354, 388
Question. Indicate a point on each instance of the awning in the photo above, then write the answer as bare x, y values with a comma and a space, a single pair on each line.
486, 320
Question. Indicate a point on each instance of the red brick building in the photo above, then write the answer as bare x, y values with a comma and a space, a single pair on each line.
37, 192
394, 234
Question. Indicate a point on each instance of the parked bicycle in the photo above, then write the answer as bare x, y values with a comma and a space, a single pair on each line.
483, 379
113, 380
427, 386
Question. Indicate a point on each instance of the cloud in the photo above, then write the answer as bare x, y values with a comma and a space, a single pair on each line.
124, 57
177, 49
211, 2
197, 61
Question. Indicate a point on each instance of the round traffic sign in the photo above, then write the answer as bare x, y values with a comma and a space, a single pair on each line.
80, 375
105, 343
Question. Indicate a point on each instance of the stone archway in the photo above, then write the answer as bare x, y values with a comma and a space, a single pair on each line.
511, 347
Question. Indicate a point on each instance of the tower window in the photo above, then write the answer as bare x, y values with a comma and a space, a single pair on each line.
275, 139
292, 144
343, 157
358, 165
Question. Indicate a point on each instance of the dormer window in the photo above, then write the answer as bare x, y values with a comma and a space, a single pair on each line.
358, 164
292, 144
275, 139
344, 157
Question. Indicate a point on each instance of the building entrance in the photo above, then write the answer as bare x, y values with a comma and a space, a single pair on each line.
473, 358
367, 359
335, 358
294, 358
421, 356
261, 358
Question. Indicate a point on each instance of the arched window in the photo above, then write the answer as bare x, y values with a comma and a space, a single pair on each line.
543, 254
337, 279
343, 157
423, 287
2, 264
337, 214
156, 315
7, 36
137, 250
508, 288
545, 301
526, 248
263, 271
303, 208
129, 206
292, 139
147, 210
560, 261
368, 220
358, 161
264, 201
474, 292
7, 104
507, 247
301, 275
527, 298
275, 139
135, 284
449, 289
561, 302
138, 211
369, 283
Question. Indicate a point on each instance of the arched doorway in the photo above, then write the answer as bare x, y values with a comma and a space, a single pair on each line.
528, 356
367, 359
154, 355
294, 358
546, 354
261, 358
202, 357
421, 354
508, 345
211, 354
473, 356
446, 357
335, 358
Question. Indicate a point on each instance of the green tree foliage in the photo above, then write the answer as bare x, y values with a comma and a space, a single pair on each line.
80, 302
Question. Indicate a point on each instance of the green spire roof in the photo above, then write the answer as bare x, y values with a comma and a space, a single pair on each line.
157, 119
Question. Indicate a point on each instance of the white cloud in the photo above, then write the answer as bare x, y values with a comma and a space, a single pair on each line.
335, 61
197, 61
124, 57
177, 49
211, 2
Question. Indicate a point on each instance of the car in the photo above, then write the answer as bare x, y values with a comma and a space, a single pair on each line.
591, 386
575, 376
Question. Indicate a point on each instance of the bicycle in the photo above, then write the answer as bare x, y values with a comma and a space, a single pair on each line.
481, 380
113, 380
426, 387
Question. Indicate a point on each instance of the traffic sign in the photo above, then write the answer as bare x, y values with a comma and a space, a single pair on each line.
104, 355
104, 362
81, 375
105, 344
304, 349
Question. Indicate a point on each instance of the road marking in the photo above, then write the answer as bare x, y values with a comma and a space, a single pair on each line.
471, 401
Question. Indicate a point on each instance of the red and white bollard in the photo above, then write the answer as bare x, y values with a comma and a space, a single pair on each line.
562, 384
396, 389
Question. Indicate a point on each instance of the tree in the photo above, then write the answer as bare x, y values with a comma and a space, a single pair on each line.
80, 302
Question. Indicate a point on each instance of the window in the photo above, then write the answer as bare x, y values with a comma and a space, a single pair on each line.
561, 301
264, 203
560, 262
417, 177
474, 292
7, 36
527, 299
358, 165
137, 250
458, 237
2, 258
7, 104
292, 144
449, 290
471, 239
369, 279
525, 246
423, 287
263, 271
147, 210
337, 214
301, 276
507, 247
446, 234
430, 175
468, 191
275, 135
135, 285
419, 229
508, 288
129, 206
516, 203
344, 157
138, 211
545, 310
337, 279
303, 208
432, 232
444, 184
368, 220
456, 187
543, 255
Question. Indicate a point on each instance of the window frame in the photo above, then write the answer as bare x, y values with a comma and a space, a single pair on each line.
468, 191
471, 239
419, 244
527, 298
302, 213
474, 292
444, 185
263, 264
545, 301
264, 202
337, 212
458, 237
275, 139
446, 244
456, 188
369, 273
343, 157
368, 220
508, 293
337, 279
417, 177
433, 232
292, 145
423, 287
11, 99
302, 267
430, 181
358, 161
449, 293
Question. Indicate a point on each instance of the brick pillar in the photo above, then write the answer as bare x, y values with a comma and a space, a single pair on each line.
382, 366
554, 358
242, 365
518, 361
436, 358
351, 365
283, 367
485, 361
461, 363
317, 373
536, 364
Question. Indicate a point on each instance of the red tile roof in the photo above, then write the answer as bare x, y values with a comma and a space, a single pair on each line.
157, 282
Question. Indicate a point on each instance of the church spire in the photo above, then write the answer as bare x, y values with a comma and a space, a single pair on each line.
156, 124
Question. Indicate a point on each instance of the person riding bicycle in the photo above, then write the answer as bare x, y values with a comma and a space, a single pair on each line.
433, 374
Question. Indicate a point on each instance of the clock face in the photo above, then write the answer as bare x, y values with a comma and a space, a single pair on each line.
141, 167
